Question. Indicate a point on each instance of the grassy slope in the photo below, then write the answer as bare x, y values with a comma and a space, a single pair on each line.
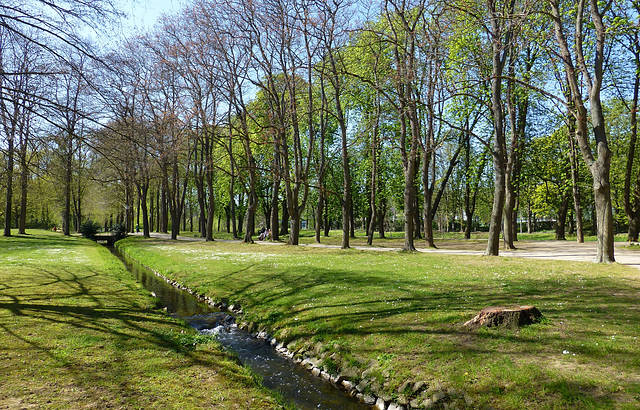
77, 331
404, 310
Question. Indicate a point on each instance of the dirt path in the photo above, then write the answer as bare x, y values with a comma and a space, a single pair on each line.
553, 250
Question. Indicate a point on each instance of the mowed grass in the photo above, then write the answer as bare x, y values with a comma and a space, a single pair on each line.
77, 331
446, 240
449, 240
401, 313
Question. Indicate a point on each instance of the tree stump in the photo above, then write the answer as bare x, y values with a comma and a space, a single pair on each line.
512, 317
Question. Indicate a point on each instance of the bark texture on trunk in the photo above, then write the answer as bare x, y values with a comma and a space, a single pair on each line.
598, 166
24, 185
561, 217
632, 208
9, 188
499, 52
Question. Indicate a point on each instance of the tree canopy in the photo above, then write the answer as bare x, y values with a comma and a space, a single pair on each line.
284, 115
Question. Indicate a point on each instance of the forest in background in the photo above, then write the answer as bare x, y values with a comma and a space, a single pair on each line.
382, 116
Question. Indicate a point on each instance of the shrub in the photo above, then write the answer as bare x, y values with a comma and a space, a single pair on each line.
119, 230
89, 228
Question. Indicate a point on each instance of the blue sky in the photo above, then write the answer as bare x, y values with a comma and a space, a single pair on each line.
144, 13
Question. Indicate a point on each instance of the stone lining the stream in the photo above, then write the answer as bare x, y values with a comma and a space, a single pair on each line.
410, 395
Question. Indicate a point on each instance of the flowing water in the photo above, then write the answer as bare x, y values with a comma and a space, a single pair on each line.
297, 385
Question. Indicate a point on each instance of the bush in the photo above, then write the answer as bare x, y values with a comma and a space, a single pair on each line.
89, 228
119, 230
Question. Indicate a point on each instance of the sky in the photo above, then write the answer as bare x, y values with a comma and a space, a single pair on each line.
144, 13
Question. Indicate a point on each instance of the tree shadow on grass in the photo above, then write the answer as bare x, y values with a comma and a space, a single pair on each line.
324, 303
46, 312
308, 302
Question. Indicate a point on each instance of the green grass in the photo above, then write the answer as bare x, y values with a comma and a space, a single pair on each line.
77, 331
402, 312
396, 239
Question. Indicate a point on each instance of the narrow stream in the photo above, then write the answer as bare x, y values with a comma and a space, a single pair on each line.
297, 385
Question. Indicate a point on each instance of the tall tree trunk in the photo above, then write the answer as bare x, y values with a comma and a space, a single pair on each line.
138, 205
252, 204
318, 215
164, 214
471, 186
499, 148
227, 215
143, 193
24, 184
381, 216
66, 229
374, 173
575, 182
9, 188
152, 211
211, 209
600, 166
352, 221
346, 178
199, 179
175, 223
275, 208
284, 224
417, 220
232, 204
323, 162
240, 213
410, 172
561, 216
327, 223
252, 201
633, 209
428, 182
518, 109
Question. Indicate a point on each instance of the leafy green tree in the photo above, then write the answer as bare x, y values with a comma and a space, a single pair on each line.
592, 70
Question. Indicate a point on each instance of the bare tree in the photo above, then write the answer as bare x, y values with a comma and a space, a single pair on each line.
276, 31
70, 88
172, 140
16, 57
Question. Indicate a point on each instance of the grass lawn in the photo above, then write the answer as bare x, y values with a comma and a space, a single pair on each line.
448, 240
77, 331
399, 314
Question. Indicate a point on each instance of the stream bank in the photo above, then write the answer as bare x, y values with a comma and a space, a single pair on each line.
271, 361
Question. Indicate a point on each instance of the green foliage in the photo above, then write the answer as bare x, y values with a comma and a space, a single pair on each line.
89, 228
119, 230
184, 341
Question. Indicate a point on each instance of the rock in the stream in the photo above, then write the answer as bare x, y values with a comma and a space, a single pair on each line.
380, 404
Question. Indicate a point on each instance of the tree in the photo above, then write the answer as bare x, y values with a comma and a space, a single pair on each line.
403, 19
598, 164
333, 34
70, 88
626, 34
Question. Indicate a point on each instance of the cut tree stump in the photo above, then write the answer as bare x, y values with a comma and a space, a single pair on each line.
513, 317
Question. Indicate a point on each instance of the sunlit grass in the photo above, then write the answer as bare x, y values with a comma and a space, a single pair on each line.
77, 331
404, 311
